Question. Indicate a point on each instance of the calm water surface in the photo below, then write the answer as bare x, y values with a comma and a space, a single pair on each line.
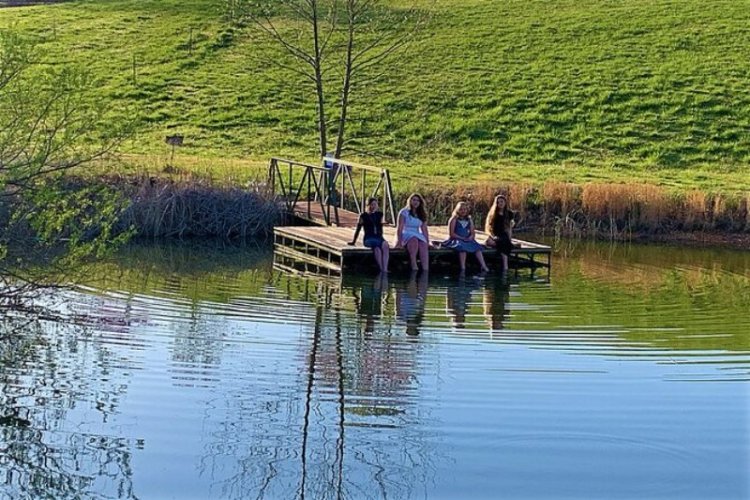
203, 373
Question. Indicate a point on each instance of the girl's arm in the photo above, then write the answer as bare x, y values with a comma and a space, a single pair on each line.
511, 223
356, 231
426, 233
400, 229
452, 229
379, 225
472, 231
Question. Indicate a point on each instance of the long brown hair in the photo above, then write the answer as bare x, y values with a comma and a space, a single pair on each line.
421, 213
492, 215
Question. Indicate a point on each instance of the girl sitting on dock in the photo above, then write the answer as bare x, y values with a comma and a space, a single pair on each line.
372, 221
499, 226
462, 234
412, 232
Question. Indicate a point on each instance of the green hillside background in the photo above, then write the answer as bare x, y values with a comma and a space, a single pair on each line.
651, 91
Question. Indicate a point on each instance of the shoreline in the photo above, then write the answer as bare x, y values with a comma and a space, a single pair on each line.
702, 239
162, 208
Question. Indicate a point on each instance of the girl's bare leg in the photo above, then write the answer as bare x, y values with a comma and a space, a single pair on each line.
423, 256
412, 246
480, 258
386, 250
378, 257
462, 261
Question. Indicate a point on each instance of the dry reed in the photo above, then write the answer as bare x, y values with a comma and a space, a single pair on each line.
614, 211
165, 209
693, 214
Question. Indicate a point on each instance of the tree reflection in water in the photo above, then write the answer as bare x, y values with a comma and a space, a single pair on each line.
41, 454
351, 427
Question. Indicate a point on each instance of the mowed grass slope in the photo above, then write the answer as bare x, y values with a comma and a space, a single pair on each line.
651, 91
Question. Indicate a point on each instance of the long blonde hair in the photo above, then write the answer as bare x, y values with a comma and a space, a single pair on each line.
458, 206
492, 215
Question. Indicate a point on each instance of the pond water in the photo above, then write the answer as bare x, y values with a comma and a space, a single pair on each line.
204, 373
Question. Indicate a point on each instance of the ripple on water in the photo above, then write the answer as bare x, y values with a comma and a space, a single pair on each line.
589, 385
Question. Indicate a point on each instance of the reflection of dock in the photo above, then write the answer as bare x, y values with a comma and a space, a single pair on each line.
327, 200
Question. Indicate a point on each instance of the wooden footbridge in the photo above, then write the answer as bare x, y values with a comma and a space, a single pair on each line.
322, 205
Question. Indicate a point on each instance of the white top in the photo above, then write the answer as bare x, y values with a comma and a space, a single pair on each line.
412, 227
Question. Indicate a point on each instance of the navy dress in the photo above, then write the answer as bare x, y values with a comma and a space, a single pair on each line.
372, 223
462, 229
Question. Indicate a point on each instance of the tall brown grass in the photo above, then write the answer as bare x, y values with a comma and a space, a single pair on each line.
198, 208
614, 211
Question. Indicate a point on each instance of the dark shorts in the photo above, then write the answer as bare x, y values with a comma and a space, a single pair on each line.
374, 242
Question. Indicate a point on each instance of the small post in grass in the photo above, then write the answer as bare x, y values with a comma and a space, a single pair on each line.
174, 141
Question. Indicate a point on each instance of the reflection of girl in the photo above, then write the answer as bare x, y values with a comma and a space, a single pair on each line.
412, 231
410, 303
370, 301
499, 225
496, 295
461, 230
372, 222
458, 298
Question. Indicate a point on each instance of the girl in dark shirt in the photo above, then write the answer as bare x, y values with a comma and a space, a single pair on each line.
372, 222
499, 226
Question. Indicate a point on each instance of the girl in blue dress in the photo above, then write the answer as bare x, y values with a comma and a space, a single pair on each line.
371, 221
461, 229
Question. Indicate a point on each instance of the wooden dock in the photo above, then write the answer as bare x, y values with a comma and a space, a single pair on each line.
326, 250
321, 244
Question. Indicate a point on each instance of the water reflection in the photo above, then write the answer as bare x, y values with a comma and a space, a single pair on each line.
52, 419
458, 299
410, 301
234, 380
369, 299
495, 298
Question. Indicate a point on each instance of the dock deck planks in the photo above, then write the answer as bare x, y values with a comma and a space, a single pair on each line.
313, 212
337, 238
328, 246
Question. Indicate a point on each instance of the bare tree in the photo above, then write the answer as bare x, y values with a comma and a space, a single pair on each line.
336, 45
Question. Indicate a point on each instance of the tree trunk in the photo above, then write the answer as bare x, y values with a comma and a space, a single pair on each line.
346, 85
319, 82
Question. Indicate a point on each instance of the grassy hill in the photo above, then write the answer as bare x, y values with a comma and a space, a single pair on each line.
650, 91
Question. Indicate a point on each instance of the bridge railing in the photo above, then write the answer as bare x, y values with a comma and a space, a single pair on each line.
333, 185
353, 183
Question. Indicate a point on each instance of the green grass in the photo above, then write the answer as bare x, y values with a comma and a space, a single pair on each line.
492, 91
